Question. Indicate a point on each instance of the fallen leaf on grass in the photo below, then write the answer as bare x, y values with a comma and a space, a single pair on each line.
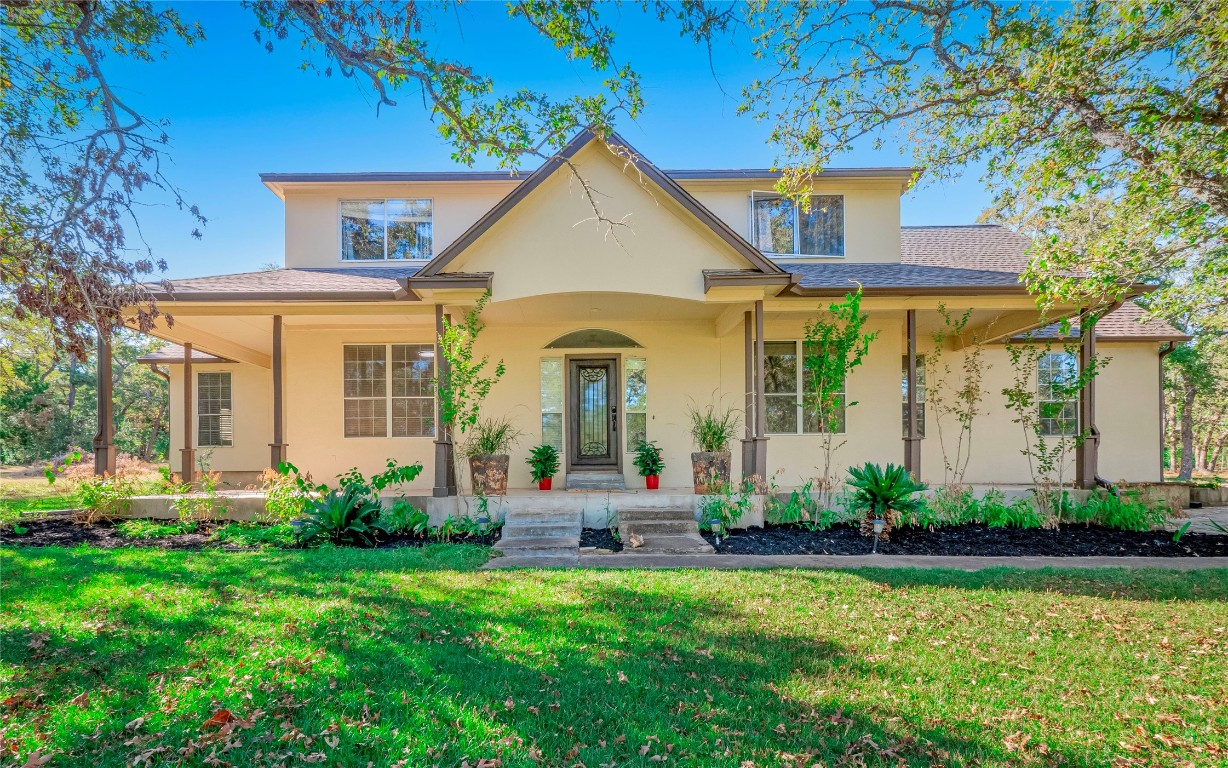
219, 719
37, 758
81, 700
621, 677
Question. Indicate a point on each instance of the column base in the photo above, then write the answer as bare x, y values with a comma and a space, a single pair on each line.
912, 457
104, 459
445, 470
187, 464
761, 462
277, 454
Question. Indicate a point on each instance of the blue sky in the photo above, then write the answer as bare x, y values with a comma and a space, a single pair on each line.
236, 111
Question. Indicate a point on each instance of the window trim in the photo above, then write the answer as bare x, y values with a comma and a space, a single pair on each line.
196, 399
627, 447
1040, 401
797, 223
799, 393
341, 232
923, 386
388, 396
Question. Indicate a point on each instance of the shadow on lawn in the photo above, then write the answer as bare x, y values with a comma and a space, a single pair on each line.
532, 668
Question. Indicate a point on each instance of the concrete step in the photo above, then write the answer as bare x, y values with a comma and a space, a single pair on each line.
595, 481
553, 544
647, 528
543, 516
691, 544
655, 514
522, 529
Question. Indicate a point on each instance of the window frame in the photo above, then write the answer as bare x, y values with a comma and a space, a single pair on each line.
1041, 401
799, 393
797, 224
922, 388
199, 401
341, 230
627, 410
388, 396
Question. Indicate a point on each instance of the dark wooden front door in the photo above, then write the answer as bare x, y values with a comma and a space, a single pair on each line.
592, 413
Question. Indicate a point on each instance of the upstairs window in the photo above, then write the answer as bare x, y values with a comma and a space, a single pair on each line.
386, 230
780, 227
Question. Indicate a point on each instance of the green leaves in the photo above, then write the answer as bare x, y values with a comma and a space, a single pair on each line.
461, 383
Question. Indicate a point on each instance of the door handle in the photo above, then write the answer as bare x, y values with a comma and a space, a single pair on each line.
613, 418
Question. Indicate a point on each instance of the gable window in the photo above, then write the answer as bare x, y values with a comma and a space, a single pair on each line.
1056, 375
389, 389
386, 230
920, 394
780, 227
214, 417
784, 380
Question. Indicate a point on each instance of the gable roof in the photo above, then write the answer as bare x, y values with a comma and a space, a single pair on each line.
294, 284
722, 230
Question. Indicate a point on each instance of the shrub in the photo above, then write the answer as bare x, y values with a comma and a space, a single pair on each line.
149, 529
727, 504
202, 503
257, 536
801, 509
343, 516
285, 493
648, 459
491, 436
103, 498
543, 461
405, 518
994, 512
713, 430
1125, 511
883, 494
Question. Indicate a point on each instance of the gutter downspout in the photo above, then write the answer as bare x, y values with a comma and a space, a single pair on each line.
1165, 351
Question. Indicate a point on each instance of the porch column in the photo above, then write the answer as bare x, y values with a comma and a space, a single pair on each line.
748, 442
1088, 452
760, 401
445, 475
912, 433
187, 455
277, 452
104, 439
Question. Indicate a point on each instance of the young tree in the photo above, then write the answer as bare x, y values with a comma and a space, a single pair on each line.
954, 393
835, 344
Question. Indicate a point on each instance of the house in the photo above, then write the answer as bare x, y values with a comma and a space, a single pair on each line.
691, 287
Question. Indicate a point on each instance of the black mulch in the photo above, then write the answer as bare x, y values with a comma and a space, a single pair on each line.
963, 540
62, 532
601, 538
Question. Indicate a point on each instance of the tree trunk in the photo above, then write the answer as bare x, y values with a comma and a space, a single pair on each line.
1189, 394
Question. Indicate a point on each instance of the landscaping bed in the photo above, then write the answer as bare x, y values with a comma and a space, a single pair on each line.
601, 538
61, 531
966, 540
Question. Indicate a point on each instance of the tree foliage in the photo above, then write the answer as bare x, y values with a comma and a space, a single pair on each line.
1196, 391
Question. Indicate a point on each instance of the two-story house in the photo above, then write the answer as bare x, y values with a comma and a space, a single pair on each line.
691, 287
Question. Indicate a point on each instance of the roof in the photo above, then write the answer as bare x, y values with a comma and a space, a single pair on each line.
297, 284
1129, 322
974, 246
173, 353
718, 225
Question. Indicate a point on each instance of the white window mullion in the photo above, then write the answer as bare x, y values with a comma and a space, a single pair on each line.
388, 358
801, 377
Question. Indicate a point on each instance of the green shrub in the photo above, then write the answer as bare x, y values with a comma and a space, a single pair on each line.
195, 505
713, 430
342, 516
543, 461
994, 512
648, 459
491, 436
1125, 511
886, 494
280, 536
103, 498
151, 529
729, 505
285, 493
405, 518
801, 509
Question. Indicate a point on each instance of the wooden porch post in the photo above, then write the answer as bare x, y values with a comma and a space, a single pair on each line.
912, 435
104, 439
277, 448
1088, 452
761, 465
445, 475
187, 455
748, 442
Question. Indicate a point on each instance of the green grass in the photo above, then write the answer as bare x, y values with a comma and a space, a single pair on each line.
149, 529
375, 657
12, 510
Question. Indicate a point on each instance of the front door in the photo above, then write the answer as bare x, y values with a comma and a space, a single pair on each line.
592, 404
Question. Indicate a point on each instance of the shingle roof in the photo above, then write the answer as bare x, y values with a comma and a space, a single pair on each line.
976, 246
173, 353
903, 276
304, 284
1129, 322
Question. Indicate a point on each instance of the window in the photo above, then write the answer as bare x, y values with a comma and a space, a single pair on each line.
780, 226
383, 399
784, 377
386, 230
214, 417
920, 394
552, 402
1057, 373
637, 402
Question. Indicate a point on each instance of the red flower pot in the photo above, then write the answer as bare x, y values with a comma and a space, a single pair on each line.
544, 483
652, 482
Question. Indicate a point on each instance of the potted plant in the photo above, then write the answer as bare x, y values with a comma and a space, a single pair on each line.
649, 462
712, 430
883, 494
543, 461
487, 450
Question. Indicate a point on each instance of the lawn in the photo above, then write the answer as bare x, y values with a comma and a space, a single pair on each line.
410, 657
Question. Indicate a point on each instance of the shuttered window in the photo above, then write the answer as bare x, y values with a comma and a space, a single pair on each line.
214, 414
389, 389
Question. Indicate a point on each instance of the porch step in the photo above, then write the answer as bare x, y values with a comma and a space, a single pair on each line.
690, 544
528, 529
595, 481
664, 530
538, 533
544, 546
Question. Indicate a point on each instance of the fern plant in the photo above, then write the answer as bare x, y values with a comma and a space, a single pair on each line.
886, 494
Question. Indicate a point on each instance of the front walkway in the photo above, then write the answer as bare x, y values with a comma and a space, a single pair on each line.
726, 562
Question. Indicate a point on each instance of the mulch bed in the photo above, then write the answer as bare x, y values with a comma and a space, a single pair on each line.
970, 540
62, 532
601, 538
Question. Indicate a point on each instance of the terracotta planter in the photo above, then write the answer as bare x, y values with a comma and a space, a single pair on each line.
545, 483
710, 470
489, 473
652, 482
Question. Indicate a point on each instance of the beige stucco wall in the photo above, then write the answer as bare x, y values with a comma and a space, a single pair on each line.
871, 214
251, 390
687, 363
313, 217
